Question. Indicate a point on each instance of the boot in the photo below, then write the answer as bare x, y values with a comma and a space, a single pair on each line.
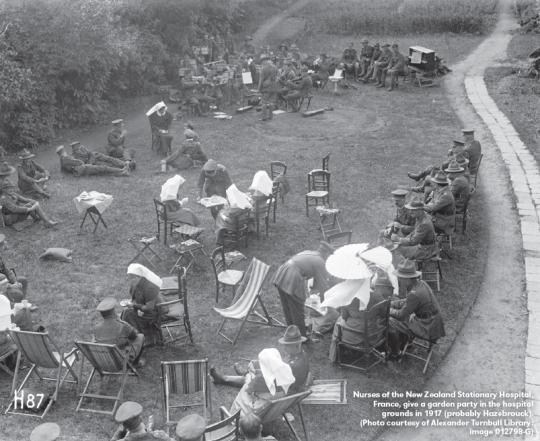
415, 176
216, 377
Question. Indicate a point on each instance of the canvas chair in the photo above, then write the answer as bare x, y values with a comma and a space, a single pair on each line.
278, 408
41, 352
3, 360
107, 361
161, 217
225, 277
181, 380
225, 430
375, 336
174, 313
318, 189
248, 296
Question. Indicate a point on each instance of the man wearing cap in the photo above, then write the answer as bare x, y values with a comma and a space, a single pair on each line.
32, 176
420, 242
395, 67
473, 150
459, 184
419, 314
213, 180
366, 54
45, 432
160, 123
403, 221
458, 148
441, 204
299, 90
115, 144
191, 428
251, 427
90, 157
291, 277
16, 207
267, 86
117, 332
380, 64
189, 153
371, 64
132, 428
78, 167
350, 60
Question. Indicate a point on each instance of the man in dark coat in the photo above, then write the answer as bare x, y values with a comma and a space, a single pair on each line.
32, 176
366, 53
395, 67
380, 64
78, 167
403, 221
267, 86
350, 60
291, 277
160, 124
441, 204
459, 185
419, 314
90, 157
116, 144
214, 180
473, 150
299, 90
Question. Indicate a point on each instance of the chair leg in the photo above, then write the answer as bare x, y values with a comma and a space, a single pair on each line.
307, 206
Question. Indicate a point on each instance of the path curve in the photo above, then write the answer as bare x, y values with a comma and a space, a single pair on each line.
489, 352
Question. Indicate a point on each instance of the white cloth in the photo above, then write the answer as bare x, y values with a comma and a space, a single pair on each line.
140, 270
237, 199
85, 200
155, 108
347, 267
5, 313
262, 183
169, 190
274, 370
344, 293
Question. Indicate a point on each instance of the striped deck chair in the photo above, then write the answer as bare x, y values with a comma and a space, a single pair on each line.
42, 354
107, 361
248, 296
181, 380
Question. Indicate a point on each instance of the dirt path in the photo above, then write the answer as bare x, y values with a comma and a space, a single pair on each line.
488, 354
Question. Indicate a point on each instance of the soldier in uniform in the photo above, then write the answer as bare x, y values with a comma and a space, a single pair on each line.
350, 60
90, 157
441, 204
117, 332
191, 428
403, 221
459, 184
380, 65
420, 242
32, 176
366, 53
419, 314
395, 67
371, 63
473, 149
78, 167
267, 86
299, 89
132, 427
115, 144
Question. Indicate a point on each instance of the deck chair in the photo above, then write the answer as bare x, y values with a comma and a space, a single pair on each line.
41, 353
248, 296
180, 380
279, 407
4, 359
225, 430
107, 361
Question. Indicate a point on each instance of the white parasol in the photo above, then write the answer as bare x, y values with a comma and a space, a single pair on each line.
347, 266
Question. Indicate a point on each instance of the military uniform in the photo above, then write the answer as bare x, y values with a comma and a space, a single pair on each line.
116, 145
132, 428
396, 66
366, 53
461, 190
473, 150
268, 88
299, 91
420, 242
381, 64
30, 172
95, 158
78, 167
442, 207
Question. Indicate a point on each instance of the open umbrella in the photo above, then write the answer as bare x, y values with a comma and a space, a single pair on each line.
347, 266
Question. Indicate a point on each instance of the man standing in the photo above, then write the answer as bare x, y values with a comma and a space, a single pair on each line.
77, 167
119, 333
214, 180
291, 277
115, 144
419, 314
473, 149
267, 86
395, 67
160, 123
32, 176
366, 53
441, 205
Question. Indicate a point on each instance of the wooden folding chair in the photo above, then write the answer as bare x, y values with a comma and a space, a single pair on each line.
180, 380
225, 430
248, 296
318, 189
41, 352
107, 361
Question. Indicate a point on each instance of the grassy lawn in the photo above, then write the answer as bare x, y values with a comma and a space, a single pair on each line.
374, 138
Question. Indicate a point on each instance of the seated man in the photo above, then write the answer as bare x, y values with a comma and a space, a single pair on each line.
420, 242
459, 184
350, 60
299, 89
322, 71
366, 53
395, 67
188, 154
419, 314
114, 331
251, 428
115, 144
80, 152
78, 167
189, 93
213, 180
371, 62
15, 207
457, 149
403, 222
441, 205
379, 65
131, 428
17, 287
145, 295
32, 176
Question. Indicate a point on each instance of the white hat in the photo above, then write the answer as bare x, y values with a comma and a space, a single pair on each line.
237, 199
155, 108
262, 183
169, 190
140, 270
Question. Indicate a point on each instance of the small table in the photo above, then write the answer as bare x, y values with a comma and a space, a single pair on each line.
187, 250
92, 204
144, 245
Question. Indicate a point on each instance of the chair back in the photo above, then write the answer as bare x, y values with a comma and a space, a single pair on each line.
278, 407
224, 430
184, 377
262, 206
104, 358
376, 324
277, 168
326, 162
37, 348
319, 180
161, 211
252, 281
218, 261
